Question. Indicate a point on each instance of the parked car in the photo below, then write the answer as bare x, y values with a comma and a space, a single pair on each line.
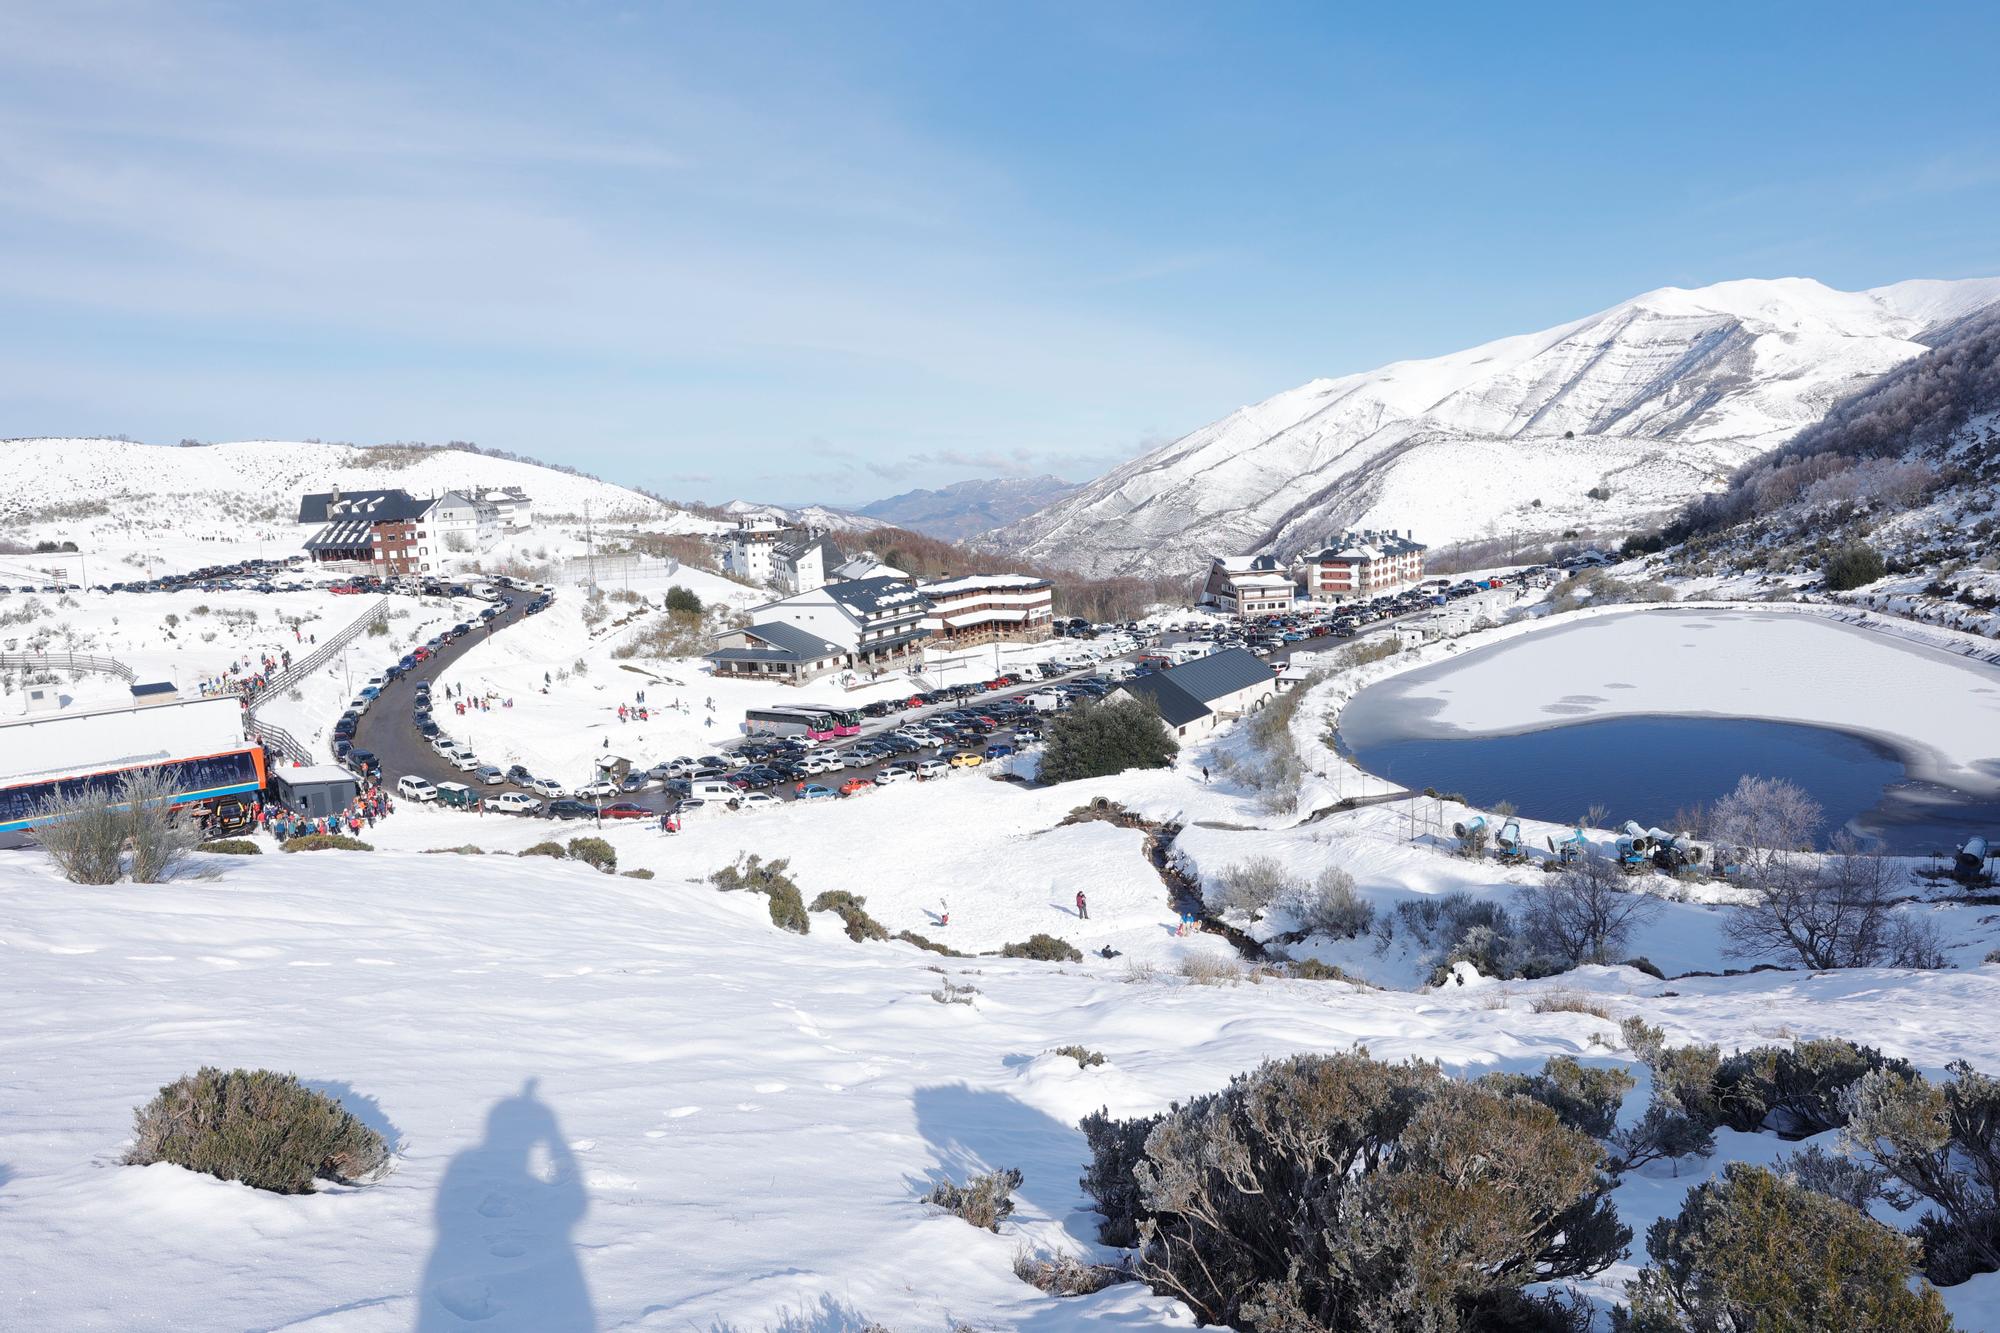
567, 809
627, 810
600, 788
855, 785
515, 803
457, 794
365, 763
932, 768
813, 791
966, 759
894, 773
490, 774
465, 761
758, 800
413, 788
548, 787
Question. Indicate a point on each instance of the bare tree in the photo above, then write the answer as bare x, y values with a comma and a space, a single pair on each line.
159, 833
86, 834
1769, 820
1834, 914
1586, 913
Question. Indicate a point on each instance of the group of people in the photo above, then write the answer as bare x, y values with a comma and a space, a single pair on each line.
370, 804
247, 679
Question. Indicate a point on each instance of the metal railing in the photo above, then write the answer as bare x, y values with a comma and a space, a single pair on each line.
69, 662
276, 737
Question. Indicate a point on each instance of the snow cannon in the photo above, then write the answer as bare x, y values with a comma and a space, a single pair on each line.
1971, 862
1641, 840
1471, 828
1573, 846
1633, 853
1510, 842
1675, 851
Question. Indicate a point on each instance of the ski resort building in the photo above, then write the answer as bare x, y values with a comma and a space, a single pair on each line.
515, 510
746, 552
802, 561
1197, 697
385, 530
1248, 585
776, 651
984, 608
876, 622
463, 522
1360, 564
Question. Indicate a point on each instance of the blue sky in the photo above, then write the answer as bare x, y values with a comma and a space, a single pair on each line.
832, 251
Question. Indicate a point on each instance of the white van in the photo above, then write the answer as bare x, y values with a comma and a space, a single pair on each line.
414, 788
710, 790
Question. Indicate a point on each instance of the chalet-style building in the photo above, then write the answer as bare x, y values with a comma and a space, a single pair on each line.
463, 521
803, 560
746, 551
983, 608
876, 622
1248, 585
516, 511
775, 651
1360, 564
386, 530
1195, 698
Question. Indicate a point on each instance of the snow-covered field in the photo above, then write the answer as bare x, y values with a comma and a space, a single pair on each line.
623, 1103
1940, 709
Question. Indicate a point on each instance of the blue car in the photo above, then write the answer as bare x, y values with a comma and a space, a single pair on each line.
999, 751
813, 791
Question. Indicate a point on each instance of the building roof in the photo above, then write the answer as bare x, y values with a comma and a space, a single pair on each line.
795, 546
311, 773
1248, 564
1219, 675
381, 506
343, 535
1366, 545
876, 596
980, 582
151, 688
1175, 705
786, 643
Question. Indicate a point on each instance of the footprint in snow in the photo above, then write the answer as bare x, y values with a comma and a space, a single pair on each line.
682, 1112
769, 1087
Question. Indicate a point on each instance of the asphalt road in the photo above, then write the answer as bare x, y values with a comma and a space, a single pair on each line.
386, 731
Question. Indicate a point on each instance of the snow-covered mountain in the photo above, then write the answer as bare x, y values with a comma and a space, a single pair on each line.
261, 480
1646, 404
966, 508
804, 516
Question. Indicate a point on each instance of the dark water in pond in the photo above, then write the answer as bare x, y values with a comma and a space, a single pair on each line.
1646, 768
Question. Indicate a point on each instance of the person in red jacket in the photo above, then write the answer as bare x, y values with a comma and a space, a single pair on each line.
1082, 907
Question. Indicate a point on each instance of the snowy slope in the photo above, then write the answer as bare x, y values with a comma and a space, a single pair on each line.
804, 516
263, 479
1655, 399
966, 508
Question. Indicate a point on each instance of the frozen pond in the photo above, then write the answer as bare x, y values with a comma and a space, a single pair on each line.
1657, 711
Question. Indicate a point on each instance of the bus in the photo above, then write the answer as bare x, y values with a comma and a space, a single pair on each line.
821, 724
209, 783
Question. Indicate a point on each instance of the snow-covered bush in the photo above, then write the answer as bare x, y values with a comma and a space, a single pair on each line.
1044, 948
1250, 887
1336, 1191
1751, 1244
1328, 906
1083, 1055
1067, 1275
756, 875
853, 913
1836, 1175
326, 842
87, 834
1938, 1143
554, 849
1584, 1097
262, 1128
595, 852
1456, 927
983, 1201
232, 847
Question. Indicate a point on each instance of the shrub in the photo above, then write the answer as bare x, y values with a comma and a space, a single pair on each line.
1663, 1133
932, 946
1797, 1090
463, 849
1940, 1143
1854, 1183
264, 1129
326, 842
1328, 906
1753, 1251
1206, 969
1584, 1097
1067, 1275
756, 875
1852, 566
1312, 969
1116, 1148
1043, 948
983, 1201
1568, 1002
554, 849
640, 873
86, 834
1586, 913
1645, 965
680, 599
950, 993
1455, 927
595, 852
232, 847
853, 912
1335, 1191
1083, 1055
1095, 740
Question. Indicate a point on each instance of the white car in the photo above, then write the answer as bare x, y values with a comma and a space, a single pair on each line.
590, 791
933, 768
548, 787
895, 773
820, 763
411, 787
849, 759
515, 803
467, 762
758, 800
445, 746
681, 767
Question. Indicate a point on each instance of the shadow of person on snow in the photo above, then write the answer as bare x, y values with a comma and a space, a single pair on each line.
503, 1258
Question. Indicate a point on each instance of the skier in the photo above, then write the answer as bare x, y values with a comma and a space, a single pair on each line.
1082, 907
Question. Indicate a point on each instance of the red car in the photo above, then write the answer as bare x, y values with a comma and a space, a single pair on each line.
853, 785
628, 810
422, 654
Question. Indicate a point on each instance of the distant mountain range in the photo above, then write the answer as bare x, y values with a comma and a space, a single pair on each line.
1604, 424
967, 508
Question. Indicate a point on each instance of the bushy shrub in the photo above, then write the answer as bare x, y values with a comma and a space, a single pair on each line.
754, 874
1096, 740
1116, 1147
554, 849
232, 847
1584, 1097
680, 599
1751, 1251
1586, 912
1798, 1090
326, 842
929, 945
1083, 1055
463, 849
594, 852
1208, 969
983, 1201
1663, 1133
640, 873
1043, 948
1852, 567
1328, 905
1568, 1002
1067, 1275
1338, 1192
262, 1128
1451, 928
1938, 1143
87, 834
1250, 887
1836, 1175
853, 912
